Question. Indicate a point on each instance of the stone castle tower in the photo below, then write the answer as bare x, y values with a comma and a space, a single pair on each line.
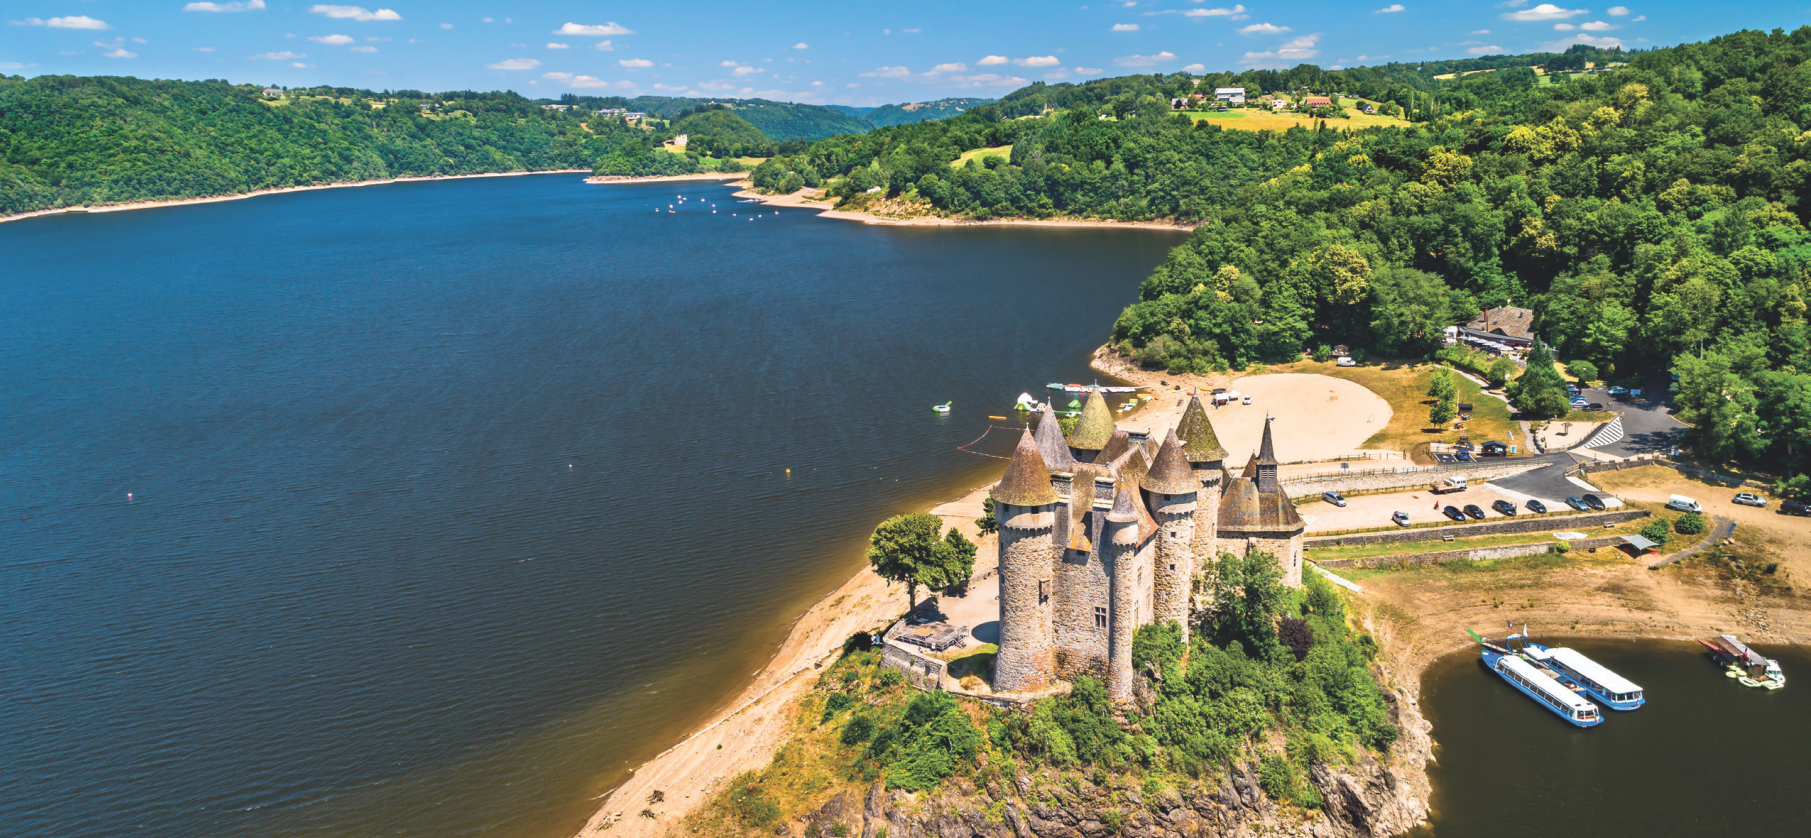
1101, 533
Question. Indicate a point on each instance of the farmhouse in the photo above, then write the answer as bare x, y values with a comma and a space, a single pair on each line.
1505, 324
1230, 95
1317, 102
273, 92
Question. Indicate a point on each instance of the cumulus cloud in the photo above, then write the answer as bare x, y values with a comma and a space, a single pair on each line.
801, 45
1618, 11
300, 65
1145, 60
1194, 68
1037, 61
14, 65
991, 60
606, 46
364, 49
285, 55
1390, 9
71, 22
610, 28
204, 49
953, 67
552, 45
1295, 51
334, 40
988, 80
1088, 71
1480, 31
737, 68
359, 13
1545, 11
1588, 40
1125, 27
1485, 50
1597, 26
248, 6
1233, 12
889, 73
514, 64
118, 52
636, 63
1263, 29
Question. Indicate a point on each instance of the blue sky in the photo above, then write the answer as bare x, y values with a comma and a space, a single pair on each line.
807, 51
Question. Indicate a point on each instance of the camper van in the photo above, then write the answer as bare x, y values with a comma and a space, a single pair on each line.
1683, 504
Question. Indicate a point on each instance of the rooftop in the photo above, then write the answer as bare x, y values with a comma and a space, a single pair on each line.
1508, 321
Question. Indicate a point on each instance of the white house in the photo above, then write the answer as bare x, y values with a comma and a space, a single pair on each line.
273, 92
1230, 95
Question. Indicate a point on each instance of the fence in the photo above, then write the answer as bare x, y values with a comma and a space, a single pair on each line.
1505, 551
1482, 463
1500, 527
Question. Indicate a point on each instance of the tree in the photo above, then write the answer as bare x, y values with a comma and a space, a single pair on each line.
1584, 371
986, 523
906, 548
1248, 592
1410, 309
1500, 370
1441, 385
1541, 392
1444, 408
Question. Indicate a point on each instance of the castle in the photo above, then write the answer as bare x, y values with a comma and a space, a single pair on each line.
1101, 533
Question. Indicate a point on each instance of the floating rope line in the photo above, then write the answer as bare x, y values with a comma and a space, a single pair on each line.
990, 429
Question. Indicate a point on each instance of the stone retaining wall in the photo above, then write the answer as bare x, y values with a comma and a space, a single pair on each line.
923, 672
1503, 527
1477, 553
1314, 485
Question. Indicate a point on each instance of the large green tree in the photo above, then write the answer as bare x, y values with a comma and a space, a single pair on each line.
913, 549
1540, 392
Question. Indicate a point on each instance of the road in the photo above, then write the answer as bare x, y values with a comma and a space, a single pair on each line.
1648, 426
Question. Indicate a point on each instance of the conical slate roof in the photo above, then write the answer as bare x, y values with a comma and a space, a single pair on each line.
1170, 474
1117, 446
1095, 426
1267, 452
1199, 442
1027, 481
1052, 445
1251, 468
1124, 512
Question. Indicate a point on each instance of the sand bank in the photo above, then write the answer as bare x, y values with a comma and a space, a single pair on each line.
804, 200
608, 179
138, 205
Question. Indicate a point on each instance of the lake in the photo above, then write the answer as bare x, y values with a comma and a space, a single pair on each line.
432, 509
1705, 757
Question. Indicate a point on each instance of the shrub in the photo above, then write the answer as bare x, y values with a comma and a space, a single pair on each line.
1156, 646
1296, 635
891, 678
1656, 531
749, 804
1323, 353
1691, 523
1583, 370
838, 703
860, 729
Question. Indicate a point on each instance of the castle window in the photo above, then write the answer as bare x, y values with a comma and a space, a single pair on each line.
1172, 567
1043, 595
1100, 617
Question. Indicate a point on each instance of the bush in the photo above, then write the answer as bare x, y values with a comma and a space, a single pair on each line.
1583, 370
1156, 646
1691, 523
838, 703
1323, 353
891, 678
1657, 532
749, 804
860, 729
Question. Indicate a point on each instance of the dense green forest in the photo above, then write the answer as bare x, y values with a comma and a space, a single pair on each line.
888, 115
777, 121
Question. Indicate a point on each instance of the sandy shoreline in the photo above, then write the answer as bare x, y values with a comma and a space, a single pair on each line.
614, 179
798, 200
214, 199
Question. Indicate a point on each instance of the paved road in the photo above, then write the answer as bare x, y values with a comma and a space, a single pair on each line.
1550, 484
1648, 425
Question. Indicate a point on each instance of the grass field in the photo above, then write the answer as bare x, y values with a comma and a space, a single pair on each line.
1411, 548
1262, 120
1002, 151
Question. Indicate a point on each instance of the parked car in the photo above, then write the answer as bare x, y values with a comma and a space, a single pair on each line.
1537, 507
1463, 456
1347, 362
1596, 503
1453, 513
1594, 407
1580, 404
1619, 390
1333, 498
1473, 510
1795, 507
1750, 499
1504, 507
1248, 400
1577, 504
1401, 518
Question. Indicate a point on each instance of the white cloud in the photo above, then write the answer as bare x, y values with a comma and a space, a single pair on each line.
988, 80
889, 73
611, 28
1588, 40
514, 64
1295, 51
1145, 60
1480, 31
487, 20
358, 13
1545, 11
744, 70
1597, 26
248, 6
801, 45
551, 45
14, 65
117, 52
556, 75
285, 55
446, 26
376, 40
334, 40
1125, 27
1485, 50
606, 46
1563, 27
1037, 61
1618, 11
302, 66
1192, 68
636, 63
1263, 29
1232, 12
991, 60
72, 22
364, 49
956, 67
1638, 19
1392, 8
204, 49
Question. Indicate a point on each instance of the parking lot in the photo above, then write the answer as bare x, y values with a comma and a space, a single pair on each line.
1422, 506
1648, 425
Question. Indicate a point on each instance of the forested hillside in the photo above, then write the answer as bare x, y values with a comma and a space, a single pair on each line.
778, 121
886, 115
68, 141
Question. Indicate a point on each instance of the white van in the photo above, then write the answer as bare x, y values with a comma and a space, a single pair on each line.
1683, 504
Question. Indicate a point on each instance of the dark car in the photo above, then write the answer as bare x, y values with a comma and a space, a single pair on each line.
1473, 510
1401, 518
1794, 507
1464, 457
1504, 507
1594, 407
1595, 502
1537, 507
1577, 504
1453, 513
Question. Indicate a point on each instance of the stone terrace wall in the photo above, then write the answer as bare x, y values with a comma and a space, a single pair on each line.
922, 672
1477, 553
1504, 527
1409, 477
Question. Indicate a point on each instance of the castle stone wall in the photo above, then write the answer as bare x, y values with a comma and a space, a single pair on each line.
1173, 565
1082, 586
1027, 597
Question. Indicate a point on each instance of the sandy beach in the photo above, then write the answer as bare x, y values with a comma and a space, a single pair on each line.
803, 199
609, 179
138, 205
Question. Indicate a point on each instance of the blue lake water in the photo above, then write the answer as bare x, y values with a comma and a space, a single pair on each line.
451, 502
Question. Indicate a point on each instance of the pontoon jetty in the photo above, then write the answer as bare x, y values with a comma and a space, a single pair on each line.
1745, 665
1615, 691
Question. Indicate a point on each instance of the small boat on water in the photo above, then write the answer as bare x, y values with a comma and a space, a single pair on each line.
1571, 665
1083, 388
1544, 688
1748, 667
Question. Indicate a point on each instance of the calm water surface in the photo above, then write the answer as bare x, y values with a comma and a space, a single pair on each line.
1706, 756
451, 502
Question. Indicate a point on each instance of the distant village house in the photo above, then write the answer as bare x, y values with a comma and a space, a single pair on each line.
1505, 325
1230, 95
273, 92
1317, 102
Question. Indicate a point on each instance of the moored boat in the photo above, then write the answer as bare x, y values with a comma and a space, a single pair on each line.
1748, 667
1571, 665
1543, 688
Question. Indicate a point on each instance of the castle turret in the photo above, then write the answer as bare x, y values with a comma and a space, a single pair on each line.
1255, 512
1267, 462
1093, 430
1055, 449
1120, 543
1025, 509
1171, 491
1207, 460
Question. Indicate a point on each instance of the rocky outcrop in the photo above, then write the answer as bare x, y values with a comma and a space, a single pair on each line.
1371, 799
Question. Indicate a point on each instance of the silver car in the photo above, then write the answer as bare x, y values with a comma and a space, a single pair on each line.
1750, 499
1333, 498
